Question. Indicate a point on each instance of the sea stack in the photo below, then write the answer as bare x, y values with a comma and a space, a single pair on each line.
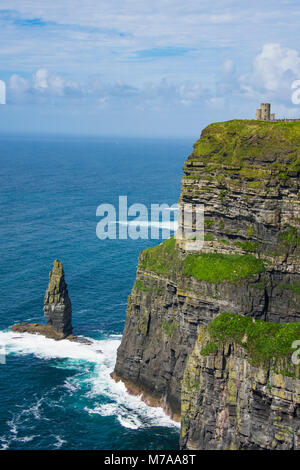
57, 308
57, 303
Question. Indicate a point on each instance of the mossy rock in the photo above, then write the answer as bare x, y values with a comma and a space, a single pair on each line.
267, 343
211, 267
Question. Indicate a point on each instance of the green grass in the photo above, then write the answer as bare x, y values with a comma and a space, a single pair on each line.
209, 348
141, 286
292, 287
161, 259
248, 246
211, 267
254, 184
266, 341
217, 267
228, 146
208, 222
289, 237
168, 327
231, 141
208, 237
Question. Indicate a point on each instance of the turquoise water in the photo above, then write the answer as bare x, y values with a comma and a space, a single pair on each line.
59, 395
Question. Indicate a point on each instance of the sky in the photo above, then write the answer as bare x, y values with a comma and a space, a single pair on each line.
148, 68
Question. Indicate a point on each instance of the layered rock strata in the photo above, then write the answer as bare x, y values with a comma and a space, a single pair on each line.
57, 303
246, 174
57, 309
231, 400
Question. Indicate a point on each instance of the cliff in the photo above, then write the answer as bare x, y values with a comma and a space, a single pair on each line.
240, 388
246, 173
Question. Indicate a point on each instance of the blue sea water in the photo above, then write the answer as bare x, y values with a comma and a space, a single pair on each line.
59, 395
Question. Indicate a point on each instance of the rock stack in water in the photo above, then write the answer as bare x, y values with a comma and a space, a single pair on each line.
57, 308
57, 303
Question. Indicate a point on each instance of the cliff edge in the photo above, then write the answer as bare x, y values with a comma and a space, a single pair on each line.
246, 174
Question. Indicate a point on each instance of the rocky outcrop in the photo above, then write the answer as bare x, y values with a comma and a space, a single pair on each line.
57, 309
45, 330
57, 303
246, 174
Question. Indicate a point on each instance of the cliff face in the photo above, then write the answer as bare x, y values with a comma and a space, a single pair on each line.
246, 173
231, 400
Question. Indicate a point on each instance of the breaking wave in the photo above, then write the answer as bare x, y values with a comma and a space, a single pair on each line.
91, 383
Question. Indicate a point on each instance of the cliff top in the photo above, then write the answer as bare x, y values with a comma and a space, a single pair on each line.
211, 267
247, 141
265, 342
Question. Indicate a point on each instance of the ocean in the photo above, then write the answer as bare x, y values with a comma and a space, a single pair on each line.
59, 395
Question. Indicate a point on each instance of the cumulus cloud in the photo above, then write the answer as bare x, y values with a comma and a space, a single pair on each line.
271, 75
41, 85
45, 82
275, 64
18, 84
40, 79
274, 70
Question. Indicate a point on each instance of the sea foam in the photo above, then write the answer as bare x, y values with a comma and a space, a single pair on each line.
95, 383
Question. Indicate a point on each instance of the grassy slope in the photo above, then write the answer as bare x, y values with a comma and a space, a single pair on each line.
233, 142
210, 267
264, 341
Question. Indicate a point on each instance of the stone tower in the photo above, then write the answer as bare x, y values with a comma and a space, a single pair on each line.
264, 113
57, 303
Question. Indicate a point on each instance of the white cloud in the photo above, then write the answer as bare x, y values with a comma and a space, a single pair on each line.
45, 82
274, 65
274, 70
189, 93
18, 84
40, 80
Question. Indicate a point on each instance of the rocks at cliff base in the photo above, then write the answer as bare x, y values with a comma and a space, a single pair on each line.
37, 328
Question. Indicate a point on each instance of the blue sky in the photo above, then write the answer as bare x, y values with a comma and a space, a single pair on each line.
145, 68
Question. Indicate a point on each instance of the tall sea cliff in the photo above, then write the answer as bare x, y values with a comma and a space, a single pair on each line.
209, 334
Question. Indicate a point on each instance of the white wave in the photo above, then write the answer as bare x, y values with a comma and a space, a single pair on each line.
108, 409
70, 387
26, 438
46, 348
14, 424
59, 442
130, 423
35, 410
168, 225
95, 382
